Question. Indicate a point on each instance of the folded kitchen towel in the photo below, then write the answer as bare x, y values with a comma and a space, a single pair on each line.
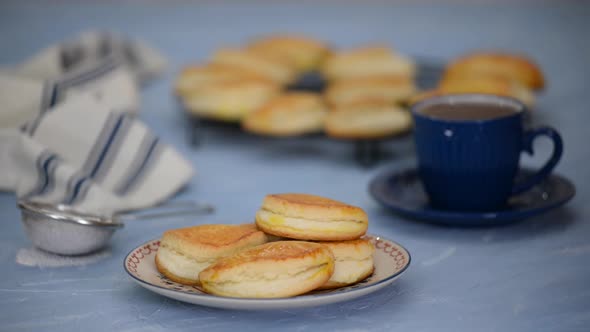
68, 134
90, 48
84, 154
108, 65
24, 98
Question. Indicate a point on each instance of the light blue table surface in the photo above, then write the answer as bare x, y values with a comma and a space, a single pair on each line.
529, 276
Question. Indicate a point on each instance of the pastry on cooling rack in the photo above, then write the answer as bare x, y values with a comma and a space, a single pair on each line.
367, 120
303, 52
501, 65
484, 85
310, 217
272, 67
422, 95
488, 85
353, 262
231, 100
193, 77
276, 269
185, 252
289, 114
388, 89
367, 61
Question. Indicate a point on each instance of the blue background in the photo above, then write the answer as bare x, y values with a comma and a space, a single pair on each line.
530, 276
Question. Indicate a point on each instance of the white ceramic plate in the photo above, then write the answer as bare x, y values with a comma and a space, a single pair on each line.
391, 259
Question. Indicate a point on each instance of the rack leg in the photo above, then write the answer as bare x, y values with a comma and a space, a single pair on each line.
368, 153
195, 131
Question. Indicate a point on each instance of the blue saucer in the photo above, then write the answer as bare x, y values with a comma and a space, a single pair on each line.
402, 192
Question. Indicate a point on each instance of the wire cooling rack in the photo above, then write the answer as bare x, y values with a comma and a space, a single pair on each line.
367, 152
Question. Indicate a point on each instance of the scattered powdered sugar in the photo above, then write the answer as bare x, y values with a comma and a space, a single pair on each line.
39, 258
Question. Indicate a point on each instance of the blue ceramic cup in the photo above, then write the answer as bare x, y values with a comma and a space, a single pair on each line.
469, 162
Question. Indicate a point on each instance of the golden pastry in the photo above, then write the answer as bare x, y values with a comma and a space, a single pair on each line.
193, 77
422, 95
353, 262
276, 269
272, 67
483, 85
231, 100
289, 114
394, 89
489, 85
303, 53
185, 252
310, 217
500, 65
367, 62
367, 120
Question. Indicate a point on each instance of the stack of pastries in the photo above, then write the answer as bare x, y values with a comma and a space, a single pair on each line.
248, 85
299, 243
366, 88
497, 73
238, 81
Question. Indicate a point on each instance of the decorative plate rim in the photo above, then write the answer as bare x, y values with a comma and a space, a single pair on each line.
299, 298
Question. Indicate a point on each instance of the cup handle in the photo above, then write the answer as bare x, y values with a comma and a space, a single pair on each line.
529, 137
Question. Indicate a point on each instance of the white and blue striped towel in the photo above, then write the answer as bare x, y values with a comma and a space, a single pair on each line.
68, 133
89, 49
